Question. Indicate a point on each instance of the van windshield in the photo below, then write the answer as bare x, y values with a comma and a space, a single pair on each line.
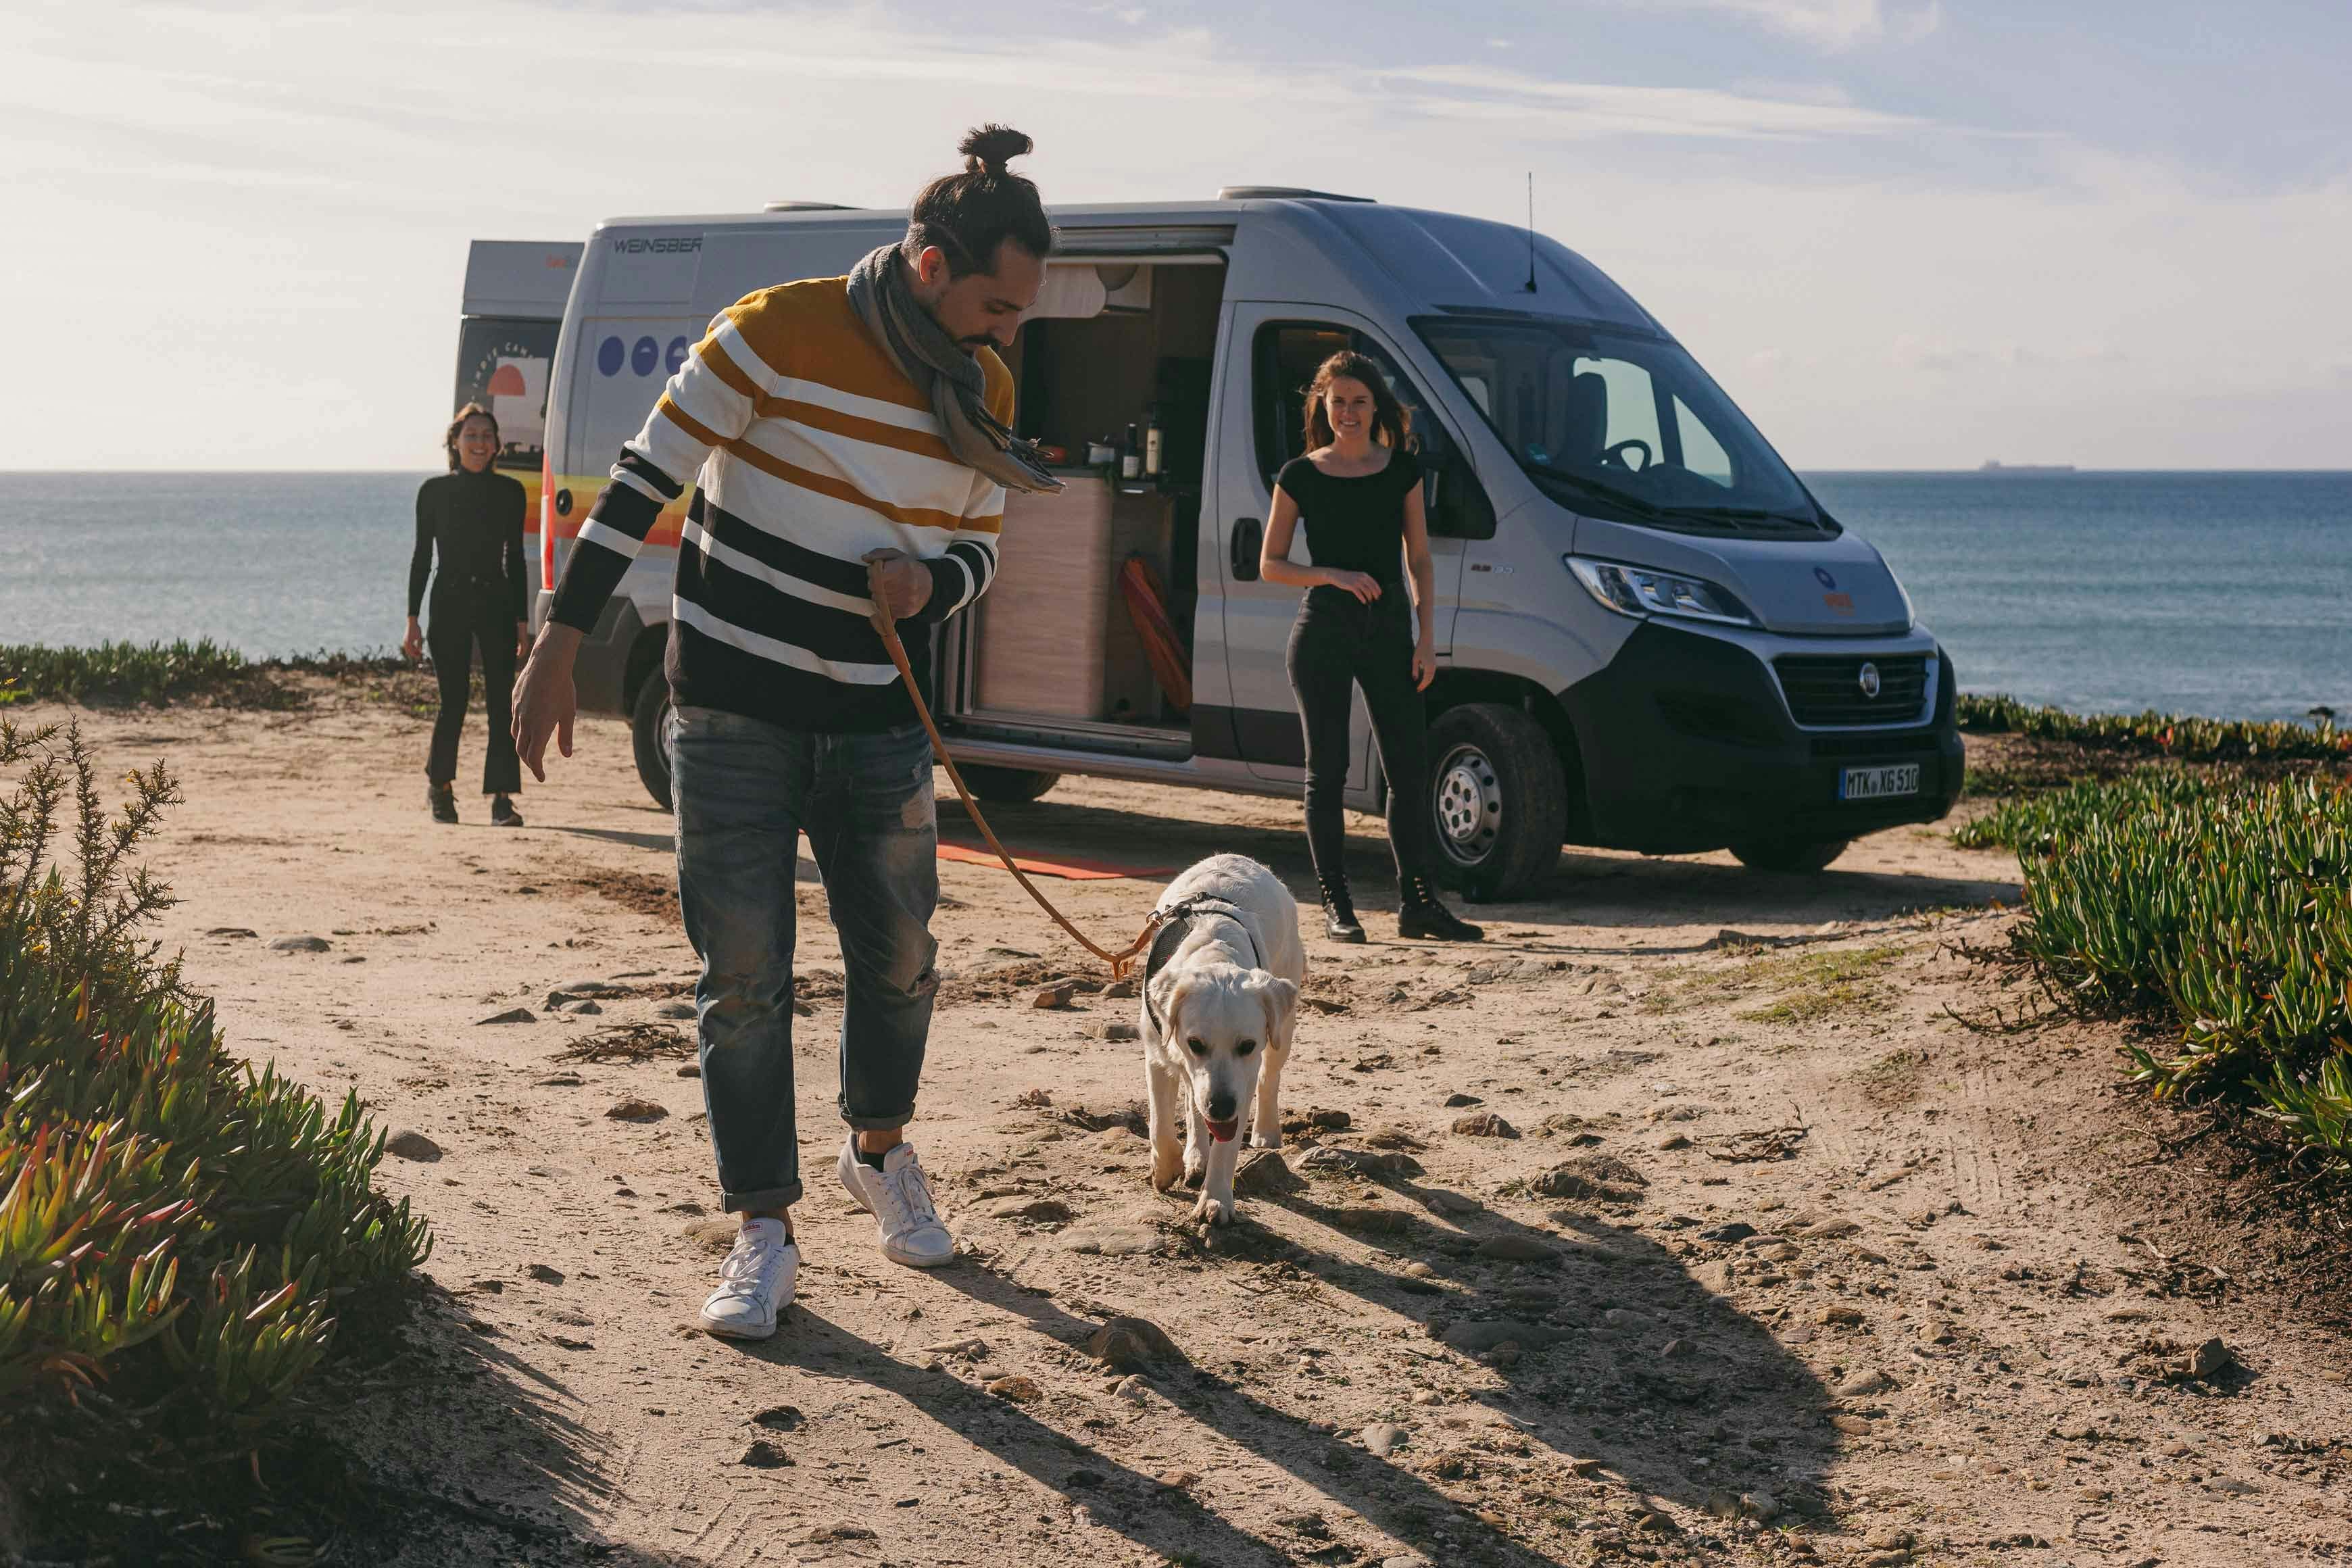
1611, 422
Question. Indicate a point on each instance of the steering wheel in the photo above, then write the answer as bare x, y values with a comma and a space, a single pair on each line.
1615, 455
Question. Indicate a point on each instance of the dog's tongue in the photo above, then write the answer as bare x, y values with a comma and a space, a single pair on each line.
1222, 1132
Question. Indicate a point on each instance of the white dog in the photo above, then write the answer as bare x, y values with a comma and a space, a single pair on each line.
1219, 999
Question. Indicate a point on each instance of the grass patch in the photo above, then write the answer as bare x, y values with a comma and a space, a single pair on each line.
2219, 906
122, 674
179, 1235
2153, 734
1803, 987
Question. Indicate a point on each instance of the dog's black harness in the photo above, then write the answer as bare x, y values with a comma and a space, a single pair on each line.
1175, 925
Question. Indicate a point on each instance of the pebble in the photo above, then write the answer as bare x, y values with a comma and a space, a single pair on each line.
1119, 990
543, 1274
1038, 1210
1840, 1318
1178, 1481
512, 1016
1674, 1140
1419, 1270
1937, 1333
1762, 1507
1114, 1030
301, 945
1455, 1101
582, 1007
1445, 1200
1865, 1383
412, 1145
689, 1070
1830, 1229
1382, 1436
1485, 1124
1852, 1426
1016, 1388
1127, 1344
1131, 1388
231, 932
630, 1108
674, 1010
1054, 995
1735, 1231
1517, 1249
763, 1455
779, 1418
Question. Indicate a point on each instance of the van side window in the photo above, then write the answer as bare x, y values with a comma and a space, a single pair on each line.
1287, 354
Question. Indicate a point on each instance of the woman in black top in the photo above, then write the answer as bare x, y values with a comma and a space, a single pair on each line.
472, 517
1358, 490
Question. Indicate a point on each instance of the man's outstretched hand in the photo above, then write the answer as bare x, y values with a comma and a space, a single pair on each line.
545, 700
905, 581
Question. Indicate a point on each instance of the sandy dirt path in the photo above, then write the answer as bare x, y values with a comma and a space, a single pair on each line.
1749, 1218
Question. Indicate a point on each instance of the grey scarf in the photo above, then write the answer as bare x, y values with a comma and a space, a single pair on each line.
952, 379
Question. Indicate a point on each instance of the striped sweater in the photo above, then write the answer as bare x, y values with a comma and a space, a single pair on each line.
810, 448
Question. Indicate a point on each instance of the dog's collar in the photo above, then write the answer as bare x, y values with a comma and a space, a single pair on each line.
1175, 924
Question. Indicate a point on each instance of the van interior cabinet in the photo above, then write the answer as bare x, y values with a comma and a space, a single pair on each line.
1055, 638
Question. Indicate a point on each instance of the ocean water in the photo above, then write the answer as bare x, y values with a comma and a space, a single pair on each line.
2222, 594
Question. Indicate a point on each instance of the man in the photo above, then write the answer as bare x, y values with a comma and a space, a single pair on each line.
832, 423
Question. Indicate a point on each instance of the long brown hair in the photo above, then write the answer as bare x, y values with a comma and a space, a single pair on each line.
449, 437
1392, 422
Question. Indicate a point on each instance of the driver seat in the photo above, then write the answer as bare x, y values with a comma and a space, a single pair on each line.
1580, 420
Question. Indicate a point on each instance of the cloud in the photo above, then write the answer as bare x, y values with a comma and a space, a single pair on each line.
1572, 108
1832, 25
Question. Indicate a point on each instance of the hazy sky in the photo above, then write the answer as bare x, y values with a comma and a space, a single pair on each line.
1902, 234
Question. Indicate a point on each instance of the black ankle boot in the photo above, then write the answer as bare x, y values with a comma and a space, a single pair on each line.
1423, 916
442, 799
1339, 921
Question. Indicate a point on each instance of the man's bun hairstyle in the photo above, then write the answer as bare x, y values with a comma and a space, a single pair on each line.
969, 215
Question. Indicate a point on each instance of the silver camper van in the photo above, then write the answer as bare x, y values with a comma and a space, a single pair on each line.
1651, 636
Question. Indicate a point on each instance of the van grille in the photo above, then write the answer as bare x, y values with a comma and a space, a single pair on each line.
1827, 689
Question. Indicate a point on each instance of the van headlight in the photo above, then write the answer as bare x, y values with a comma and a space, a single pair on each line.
1638, 590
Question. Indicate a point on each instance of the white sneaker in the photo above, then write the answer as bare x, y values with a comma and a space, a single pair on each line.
755, 1283
900, 1201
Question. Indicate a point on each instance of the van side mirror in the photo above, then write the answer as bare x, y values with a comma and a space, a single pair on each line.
1454, 502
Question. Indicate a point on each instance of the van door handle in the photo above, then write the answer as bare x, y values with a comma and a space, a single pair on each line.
1248, 539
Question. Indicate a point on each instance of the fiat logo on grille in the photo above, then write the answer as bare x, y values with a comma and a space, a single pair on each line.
1869, 679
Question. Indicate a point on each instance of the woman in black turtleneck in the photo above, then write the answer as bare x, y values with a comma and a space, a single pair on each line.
472, 517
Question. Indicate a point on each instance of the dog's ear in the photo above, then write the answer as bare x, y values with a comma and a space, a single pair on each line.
1280, 999
1167, 992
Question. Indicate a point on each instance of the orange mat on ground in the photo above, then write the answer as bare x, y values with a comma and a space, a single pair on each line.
1070, 870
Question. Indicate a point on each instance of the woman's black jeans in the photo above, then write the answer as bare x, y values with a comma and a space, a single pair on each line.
1340, 641
462, 612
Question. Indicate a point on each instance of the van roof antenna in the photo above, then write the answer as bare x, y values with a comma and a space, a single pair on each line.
1531, 231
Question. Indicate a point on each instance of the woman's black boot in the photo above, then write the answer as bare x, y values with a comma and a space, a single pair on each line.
442, 799
1421, 915
1339, 921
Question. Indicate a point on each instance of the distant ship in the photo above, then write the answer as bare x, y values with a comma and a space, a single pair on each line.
1994, 466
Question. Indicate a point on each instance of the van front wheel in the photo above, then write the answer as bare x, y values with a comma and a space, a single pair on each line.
648, 722
1801, 855
1497, 801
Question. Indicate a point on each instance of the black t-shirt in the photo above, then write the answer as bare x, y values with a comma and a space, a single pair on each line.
1354, 524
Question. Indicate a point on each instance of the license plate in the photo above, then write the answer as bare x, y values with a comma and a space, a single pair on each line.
1878, 783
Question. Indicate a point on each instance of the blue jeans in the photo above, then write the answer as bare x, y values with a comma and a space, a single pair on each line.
745, 791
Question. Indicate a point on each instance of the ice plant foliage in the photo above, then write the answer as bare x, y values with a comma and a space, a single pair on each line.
2222, 904
167, 1215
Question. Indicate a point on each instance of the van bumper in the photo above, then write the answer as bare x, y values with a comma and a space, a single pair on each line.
1687, 747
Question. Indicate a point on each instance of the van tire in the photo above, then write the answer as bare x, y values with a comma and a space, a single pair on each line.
649, 736
1496, 803
1007, 786
1798, 854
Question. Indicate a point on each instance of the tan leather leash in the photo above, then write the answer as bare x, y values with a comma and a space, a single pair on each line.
1120, 963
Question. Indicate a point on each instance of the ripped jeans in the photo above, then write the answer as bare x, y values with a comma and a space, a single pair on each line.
746, 790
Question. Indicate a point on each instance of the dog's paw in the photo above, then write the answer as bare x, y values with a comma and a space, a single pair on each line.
1196, 1167
1213, 1211
1165, 1171
1265, 1141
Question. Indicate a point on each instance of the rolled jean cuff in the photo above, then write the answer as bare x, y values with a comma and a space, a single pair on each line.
878, 1124
781, 1197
